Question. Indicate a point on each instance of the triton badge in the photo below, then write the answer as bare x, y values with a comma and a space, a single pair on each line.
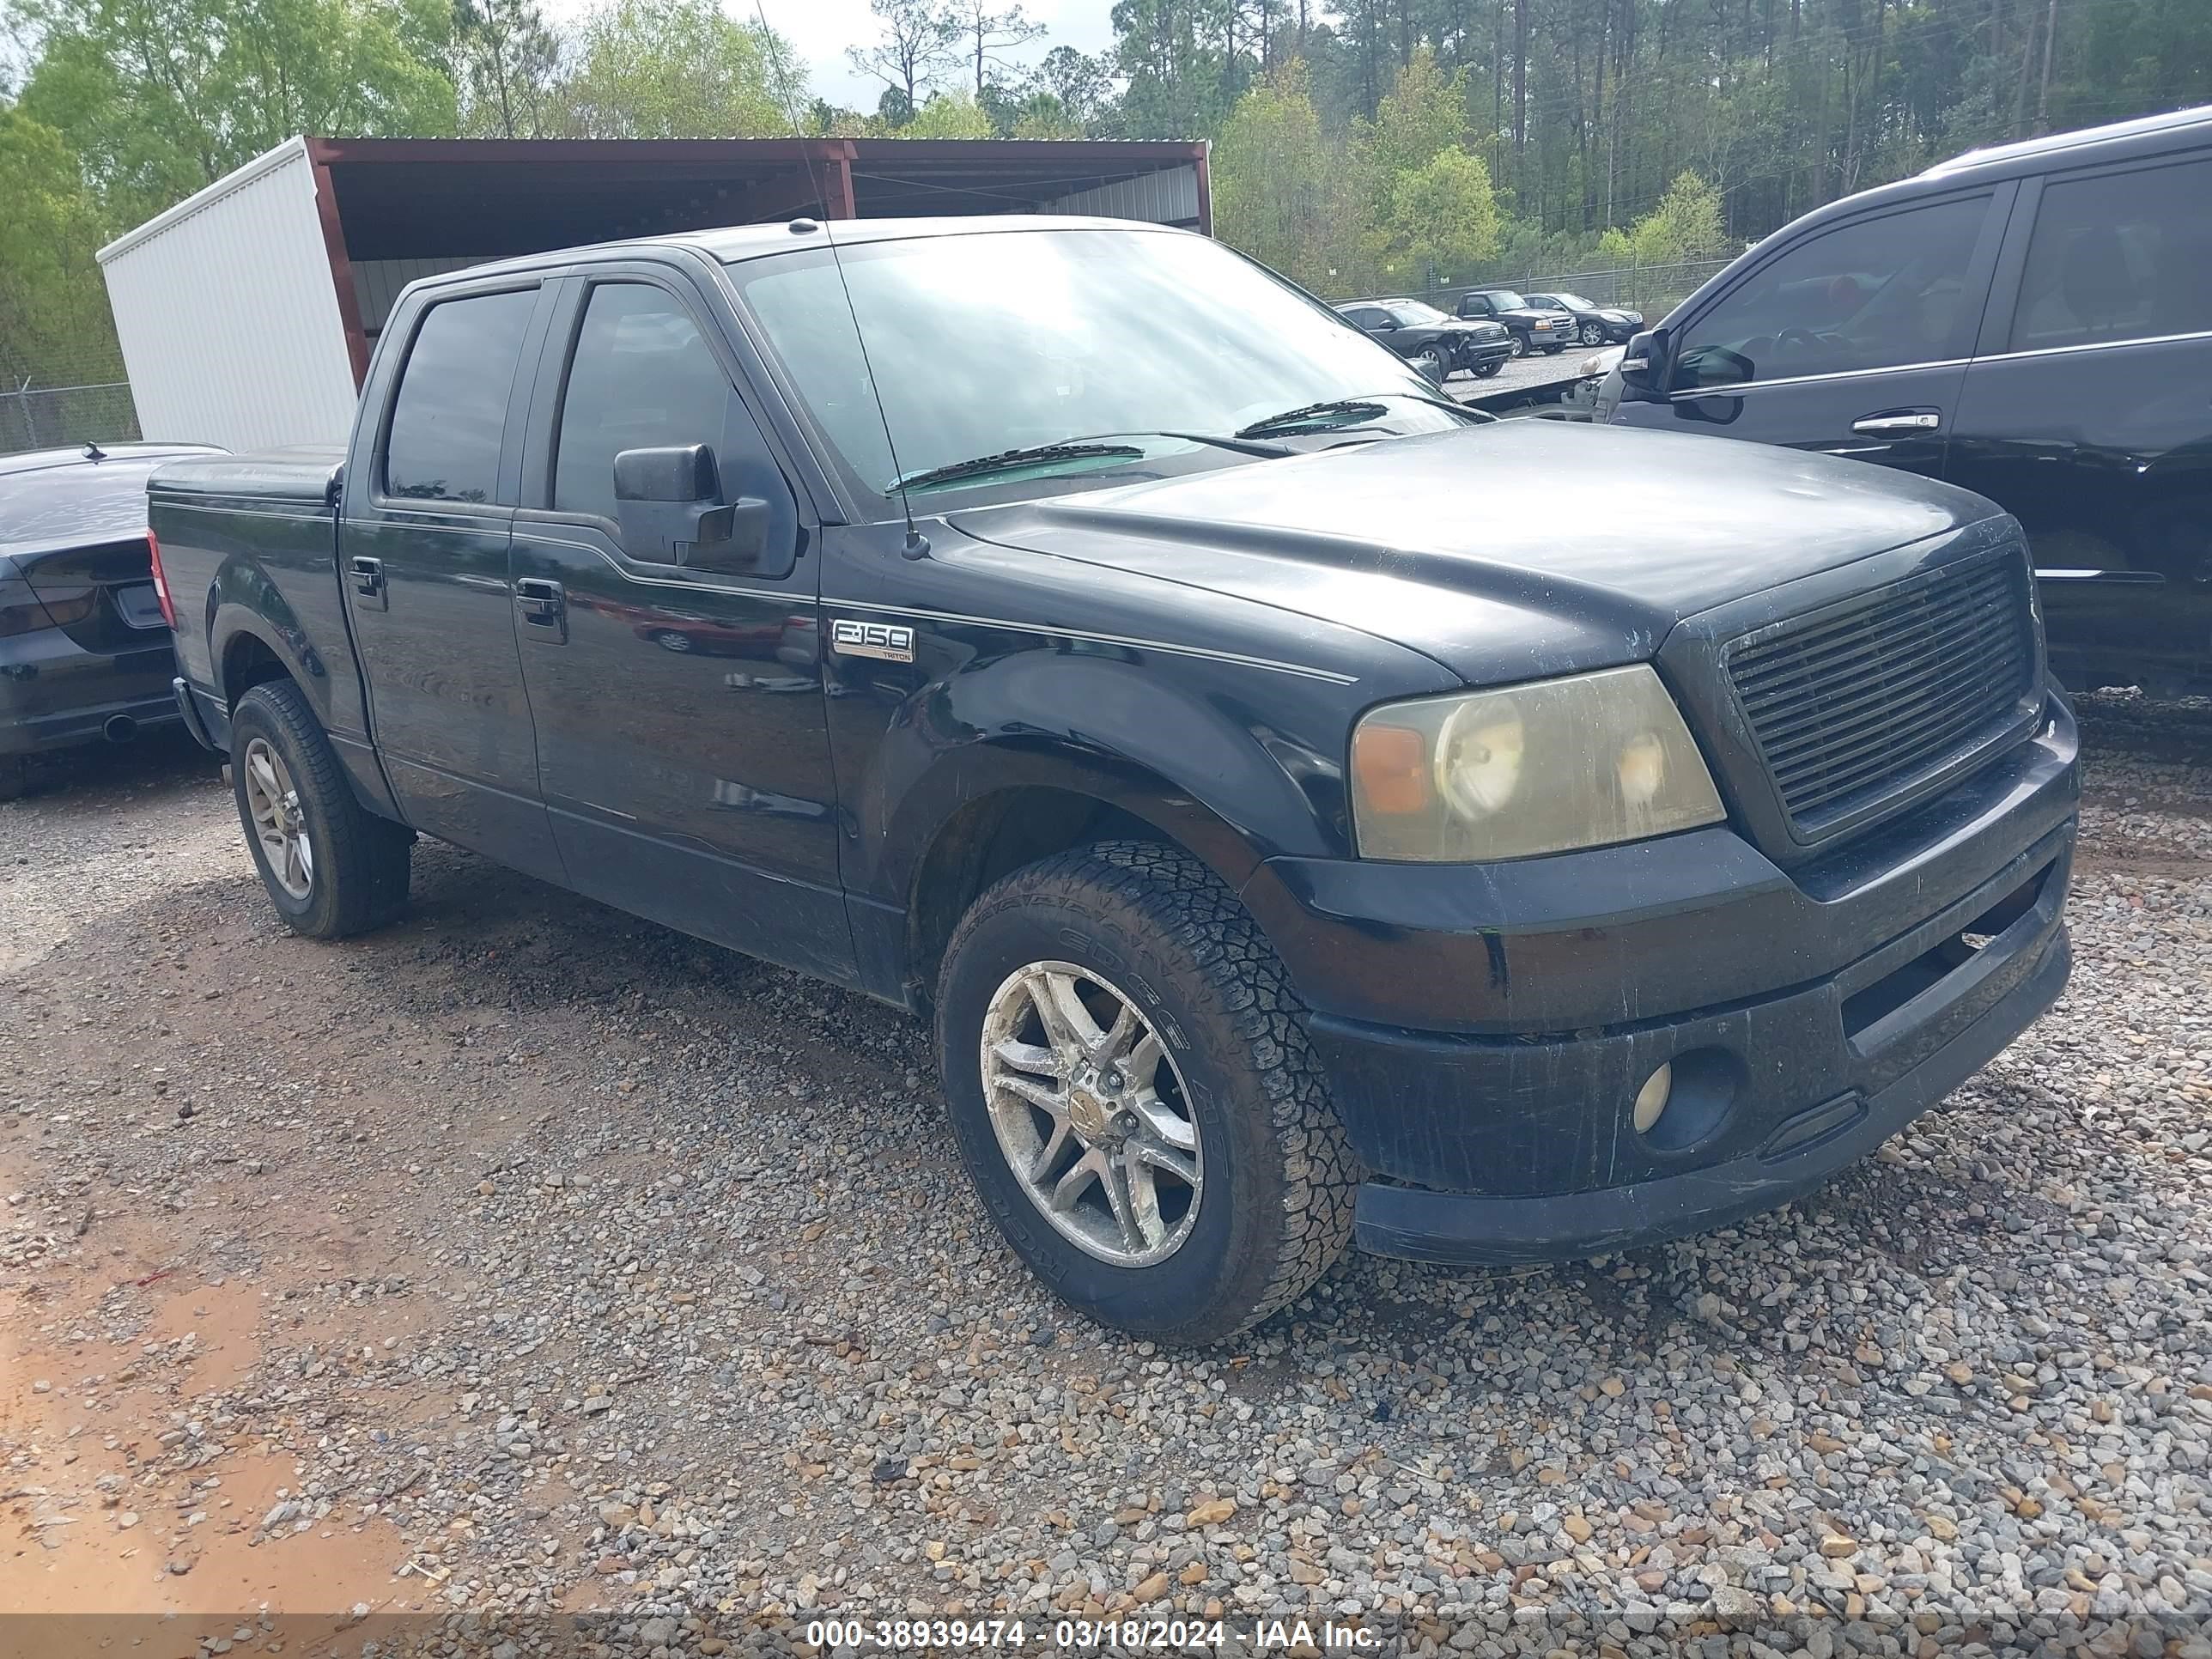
892, 641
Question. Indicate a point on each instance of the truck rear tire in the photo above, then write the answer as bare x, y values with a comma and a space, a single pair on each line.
1134, 1096
332, 867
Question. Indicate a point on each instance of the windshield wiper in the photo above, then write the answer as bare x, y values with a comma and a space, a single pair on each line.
1347, 412
983, 467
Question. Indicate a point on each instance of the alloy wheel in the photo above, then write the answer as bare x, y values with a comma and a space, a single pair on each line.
1520, 346
1593, 334
278, 823
1090, 1114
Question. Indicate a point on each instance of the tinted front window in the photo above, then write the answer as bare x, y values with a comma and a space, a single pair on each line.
986, 341
642, 378
1878, 294
1506, 300
2119, 257
450, 412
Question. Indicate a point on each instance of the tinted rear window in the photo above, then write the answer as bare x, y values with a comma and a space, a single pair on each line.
78, 501
450, 413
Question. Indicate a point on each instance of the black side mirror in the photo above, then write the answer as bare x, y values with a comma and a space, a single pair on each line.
1387, 326
1643, 365
669, 503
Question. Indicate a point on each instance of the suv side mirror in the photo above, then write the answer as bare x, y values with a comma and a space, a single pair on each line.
1643, 365
1387, 326
668, 502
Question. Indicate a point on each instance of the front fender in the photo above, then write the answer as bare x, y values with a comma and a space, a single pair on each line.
1233, 771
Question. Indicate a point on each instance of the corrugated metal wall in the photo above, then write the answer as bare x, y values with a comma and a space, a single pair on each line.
1168, 198
227, 316
377, 283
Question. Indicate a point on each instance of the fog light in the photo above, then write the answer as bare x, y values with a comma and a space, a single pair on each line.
1651, 1098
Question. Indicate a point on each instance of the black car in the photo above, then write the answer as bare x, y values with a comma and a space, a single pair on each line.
1533, 327
1595, 325
1297, 829
84, 647
1433, 343
2033, 322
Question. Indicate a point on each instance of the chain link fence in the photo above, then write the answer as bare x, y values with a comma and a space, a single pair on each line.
33, 416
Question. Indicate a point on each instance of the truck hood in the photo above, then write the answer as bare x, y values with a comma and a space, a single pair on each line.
1504, 552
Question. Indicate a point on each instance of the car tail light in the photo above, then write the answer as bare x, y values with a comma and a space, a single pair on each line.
20, 609
161, 580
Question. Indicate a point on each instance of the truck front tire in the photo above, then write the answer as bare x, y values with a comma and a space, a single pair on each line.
332, 867
1135, 1097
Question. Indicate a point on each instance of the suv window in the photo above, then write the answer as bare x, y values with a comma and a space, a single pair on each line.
1366, 316
450, 413
642, 378
2119, 257
1878, 294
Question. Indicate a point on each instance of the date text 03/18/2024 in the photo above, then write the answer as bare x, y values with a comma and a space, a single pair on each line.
1115, 1635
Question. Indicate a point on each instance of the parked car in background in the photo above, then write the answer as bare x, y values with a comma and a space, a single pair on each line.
1531, 327
1298, 827
84, 649
1432, 341
1595, 325
2033, 322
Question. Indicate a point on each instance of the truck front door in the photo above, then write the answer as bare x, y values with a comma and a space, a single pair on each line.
676, 680
422, 557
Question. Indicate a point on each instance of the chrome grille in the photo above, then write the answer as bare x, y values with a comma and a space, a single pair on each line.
1852, 704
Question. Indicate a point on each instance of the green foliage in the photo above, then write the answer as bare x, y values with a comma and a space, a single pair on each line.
54, 325
161, 97
947, 115
1686, 226
506, 62
670, 68
1442, 218
1270, 168
1423, 114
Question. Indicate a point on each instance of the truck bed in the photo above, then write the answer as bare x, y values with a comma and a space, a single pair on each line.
249, 547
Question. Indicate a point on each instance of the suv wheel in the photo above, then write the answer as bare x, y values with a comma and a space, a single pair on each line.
1434, 362
331, 867
1135, 1097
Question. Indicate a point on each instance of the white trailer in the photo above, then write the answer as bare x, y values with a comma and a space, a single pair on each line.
247, 311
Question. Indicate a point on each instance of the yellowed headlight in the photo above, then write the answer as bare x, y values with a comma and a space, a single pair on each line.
1547, 766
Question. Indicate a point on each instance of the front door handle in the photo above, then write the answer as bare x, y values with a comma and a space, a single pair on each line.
1898, 422
369, 581
543, 606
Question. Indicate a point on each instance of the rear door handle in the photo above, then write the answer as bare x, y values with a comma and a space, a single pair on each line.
543, 605
1898, 422
369, 581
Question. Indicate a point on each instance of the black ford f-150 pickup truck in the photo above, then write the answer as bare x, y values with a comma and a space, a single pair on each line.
1297, 827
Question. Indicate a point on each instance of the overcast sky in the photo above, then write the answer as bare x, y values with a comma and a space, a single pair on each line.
822, 29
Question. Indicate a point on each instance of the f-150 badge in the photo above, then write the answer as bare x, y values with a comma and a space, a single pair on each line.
892, 641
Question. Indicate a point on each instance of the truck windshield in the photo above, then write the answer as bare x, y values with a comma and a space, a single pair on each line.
984, 344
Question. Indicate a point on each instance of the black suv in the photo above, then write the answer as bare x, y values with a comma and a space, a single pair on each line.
1432, 341
2033, 322
1534, 327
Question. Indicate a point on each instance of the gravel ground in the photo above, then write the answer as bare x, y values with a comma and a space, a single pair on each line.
524, 1258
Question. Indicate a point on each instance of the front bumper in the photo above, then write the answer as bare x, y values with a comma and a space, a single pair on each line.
1477, 352
54, 693
1487, 1028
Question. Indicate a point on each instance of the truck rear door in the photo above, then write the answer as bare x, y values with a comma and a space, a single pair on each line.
423, 547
